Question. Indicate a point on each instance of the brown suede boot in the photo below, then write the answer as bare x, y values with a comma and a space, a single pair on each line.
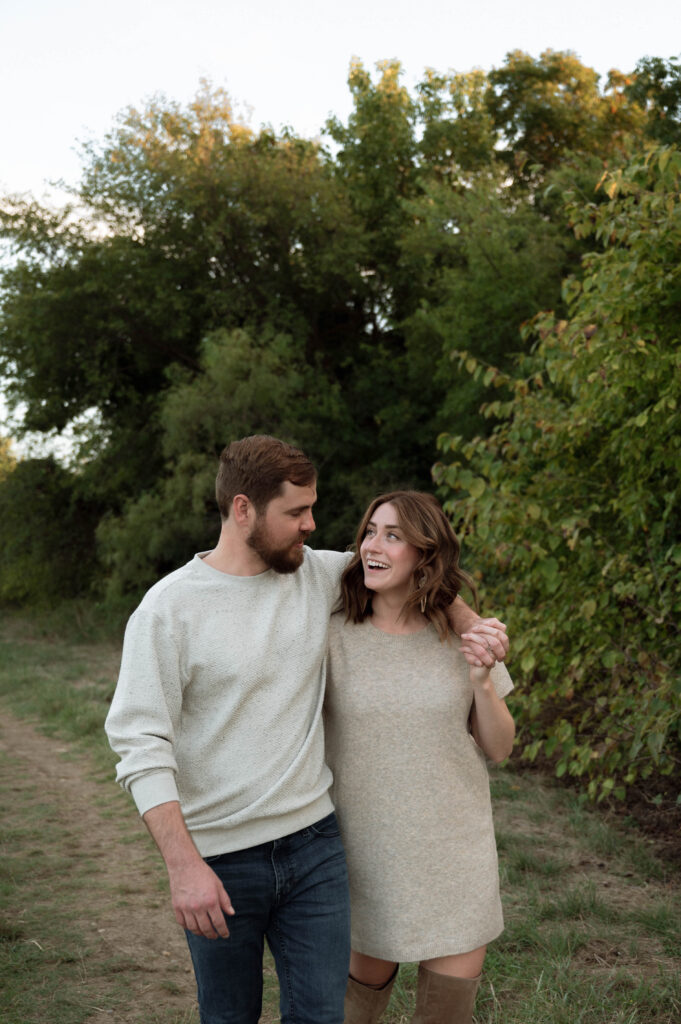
365, 1005
441, 999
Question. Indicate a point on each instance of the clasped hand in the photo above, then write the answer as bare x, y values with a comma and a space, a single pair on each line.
485, 643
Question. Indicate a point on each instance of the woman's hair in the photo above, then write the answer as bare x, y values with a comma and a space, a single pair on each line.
437, 576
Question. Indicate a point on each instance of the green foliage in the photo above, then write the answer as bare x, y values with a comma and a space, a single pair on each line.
551, 106
656, 86
207, 280
247, 385
46, 534
184, 222
495, 263
571, 506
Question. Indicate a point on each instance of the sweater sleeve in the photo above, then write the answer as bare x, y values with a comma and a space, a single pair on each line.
501, 680
145, 712
333, 564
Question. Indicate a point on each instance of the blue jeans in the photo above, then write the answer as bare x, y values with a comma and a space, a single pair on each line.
294, 893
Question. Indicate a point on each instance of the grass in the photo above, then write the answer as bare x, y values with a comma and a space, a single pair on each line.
593, 915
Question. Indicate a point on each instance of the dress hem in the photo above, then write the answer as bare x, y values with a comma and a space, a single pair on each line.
414, 954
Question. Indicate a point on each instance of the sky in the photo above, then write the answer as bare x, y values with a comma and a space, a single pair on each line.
68, 68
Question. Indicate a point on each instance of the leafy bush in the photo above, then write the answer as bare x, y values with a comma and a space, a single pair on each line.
572, 507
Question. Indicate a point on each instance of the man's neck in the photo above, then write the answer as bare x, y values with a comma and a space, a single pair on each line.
234, 557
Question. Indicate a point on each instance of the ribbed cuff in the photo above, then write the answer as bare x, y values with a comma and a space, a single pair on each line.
156, 788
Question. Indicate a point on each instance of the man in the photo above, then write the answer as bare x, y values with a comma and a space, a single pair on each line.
217, 720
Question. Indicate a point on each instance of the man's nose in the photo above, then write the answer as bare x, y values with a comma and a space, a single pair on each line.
309, 523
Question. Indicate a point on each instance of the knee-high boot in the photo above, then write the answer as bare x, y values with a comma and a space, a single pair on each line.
441, 999
365, 1005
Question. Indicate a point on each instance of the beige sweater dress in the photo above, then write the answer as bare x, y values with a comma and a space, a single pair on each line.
411, 793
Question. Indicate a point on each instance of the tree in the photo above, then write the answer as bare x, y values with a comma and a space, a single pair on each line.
571, 506
552, 106
247, 385
495, 262
185, 222
656, 86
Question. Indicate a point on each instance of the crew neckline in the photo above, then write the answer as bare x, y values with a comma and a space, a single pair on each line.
404, 636
198, 561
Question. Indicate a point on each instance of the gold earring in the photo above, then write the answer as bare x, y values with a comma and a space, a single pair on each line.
422, 582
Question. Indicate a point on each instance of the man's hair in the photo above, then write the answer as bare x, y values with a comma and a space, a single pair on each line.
437, 577
258, 466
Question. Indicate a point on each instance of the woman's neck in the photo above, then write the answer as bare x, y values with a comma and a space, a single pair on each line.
387, 615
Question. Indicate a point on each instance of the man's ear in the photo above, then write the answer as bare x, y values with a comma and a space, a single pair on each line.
242, 509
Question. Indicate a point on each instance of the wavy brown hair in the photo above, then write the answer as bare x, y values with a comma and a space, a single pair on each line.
437, 576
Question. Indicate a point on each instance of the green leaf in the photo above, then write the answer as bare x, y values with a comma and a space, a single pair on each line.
527, 662
477, 487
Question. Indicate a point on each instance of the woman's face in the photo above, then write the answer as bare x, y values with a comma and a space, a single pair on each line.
387, 558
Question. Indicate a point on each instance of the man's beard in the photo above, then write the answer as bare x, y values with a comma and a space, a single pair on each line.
282, 560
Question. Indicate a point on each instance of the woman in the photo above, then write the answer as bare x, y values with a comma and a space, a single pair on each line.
410, 715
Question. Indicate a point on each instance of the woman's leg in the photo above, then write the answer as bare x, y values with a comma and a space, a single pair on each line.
370, 971
369, 987
446, 988
461, 965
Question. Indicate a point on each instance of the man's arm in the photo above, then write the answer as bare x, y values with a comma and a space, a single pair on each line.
485, 640
200, 900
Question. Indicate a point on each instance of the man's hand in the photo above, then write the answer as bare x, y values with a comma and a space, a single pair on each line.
485, 643
200, 900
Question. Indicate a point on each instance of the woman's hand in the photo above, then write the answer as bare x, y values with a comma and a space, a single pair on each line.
485, 643
479, 676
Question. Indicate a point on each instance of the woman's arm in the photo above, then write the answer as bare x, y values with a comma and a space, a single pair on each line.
492, 725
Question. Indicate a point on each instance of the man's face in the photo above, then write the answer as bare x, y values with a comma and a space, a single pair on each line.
281, 530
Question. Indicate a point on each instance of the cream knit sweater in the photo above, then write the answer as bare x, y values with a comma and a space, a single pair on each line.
219, 698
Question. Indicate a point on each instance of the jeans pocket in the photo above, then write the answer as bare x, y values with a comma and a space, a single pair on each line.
326, 827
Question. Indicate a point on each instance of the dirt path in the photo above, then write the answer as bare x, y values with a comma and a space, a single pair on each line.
120, 905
